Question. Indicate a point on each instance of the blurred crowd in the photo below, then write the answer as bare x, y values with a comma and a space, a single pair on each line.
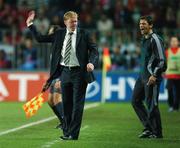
113, 23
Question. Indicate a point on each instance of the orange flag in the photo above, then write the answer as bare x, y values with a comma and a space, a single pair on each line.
32, 106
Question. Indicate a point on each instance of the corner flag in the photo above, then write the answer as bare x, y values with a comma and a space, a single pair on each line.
106, 67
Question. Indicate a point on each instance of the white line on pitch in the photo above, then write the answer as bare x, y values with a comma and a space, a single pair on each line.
49, 144
42, 121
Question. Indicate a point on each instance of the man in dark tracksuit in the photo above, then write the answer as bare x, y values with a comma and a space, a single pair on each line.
148, 84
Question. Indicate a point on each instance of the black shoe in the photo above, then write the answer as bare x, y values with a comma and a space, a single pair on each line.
67, 138
159, 136
64, 137
145, 134
155, 136
59, 126
152, 136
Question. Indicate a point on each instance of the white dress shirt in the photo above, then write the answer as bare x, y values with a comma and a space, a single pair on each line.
73, 58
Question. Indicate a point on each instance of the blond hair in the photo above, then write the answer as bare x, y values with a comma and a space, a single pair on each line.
70, 14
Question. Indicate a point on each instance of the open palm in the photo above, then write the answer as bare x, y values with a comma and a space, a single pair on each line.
30, 17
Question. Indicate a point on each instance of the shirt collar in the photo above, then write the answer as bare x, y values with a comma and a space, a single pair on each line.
74, 32
149, 36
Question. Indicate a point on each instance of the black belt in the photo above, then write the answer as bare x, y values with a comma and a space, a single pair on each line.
71, 67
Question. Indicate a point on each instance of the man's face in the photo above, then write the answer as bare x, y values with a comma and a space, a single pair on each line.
145, 28
71, 23
174, 42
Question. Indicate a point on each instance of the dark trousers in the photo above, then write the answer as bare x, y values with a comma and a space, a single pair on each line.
173, 87
148, 113
73, 98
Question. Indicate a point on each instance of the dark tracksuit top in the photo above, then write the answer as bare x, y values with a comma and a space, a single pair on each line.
152, 58
153, 63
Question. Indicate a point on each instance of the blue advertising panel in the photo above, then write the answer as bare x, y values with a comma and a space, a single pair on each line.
117, 87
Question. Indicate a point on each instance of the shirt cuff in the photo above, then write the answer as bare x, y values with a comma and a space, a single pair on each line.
30, 24
154, 75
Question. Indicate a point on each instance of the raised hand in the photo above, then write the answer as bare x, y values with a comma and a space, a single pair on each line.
30, 18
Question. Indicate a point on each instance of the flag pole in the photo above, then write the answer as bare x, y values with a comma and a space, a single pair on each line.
105, 68
103, 97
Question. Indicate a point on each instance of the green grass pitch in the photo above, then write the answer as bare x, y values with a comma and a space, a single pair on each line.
109, 125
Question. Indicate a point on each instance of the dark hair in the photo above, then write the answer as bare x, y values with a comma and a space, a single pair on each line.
148, 18
175, 36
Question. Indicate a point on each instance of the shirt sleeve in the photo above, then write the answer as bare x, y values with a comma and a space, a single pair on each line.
39, 37
93, 50
158, 49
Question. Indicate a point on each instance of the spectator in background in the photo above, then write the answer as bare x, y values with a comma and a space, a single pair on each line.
22, 15
42, 22
136, 59
8, 15
104, 28
104, 24
4, 13
173, 74
56, 20
88, 22
4, 62
118, 59
118, 14
29, 56
128, 59
122, 13
178, 17
170, 18
136, 15
12, 37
